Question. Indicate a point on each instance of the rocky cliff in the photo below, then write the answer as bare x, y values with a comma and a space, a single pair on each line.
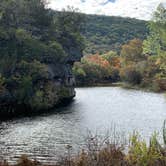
37, 52
53, 86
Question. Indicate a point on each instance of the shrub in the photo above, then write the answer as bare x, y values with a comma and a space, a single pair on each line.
131, 75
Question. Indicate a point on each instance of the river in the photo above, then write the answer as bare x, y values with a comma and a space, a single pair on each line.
97, 109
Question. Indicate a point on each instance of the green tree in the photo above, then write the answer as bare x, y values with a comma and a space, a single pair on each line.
156, 41
69, 24
32, 38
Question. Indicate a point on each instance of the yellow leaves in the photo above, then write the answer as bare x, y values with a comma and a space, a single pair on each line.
132, 51
158, 61
2, 82
143, 155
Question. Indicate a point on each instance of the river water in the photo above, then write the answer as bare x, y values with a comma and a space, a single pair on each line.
97, 109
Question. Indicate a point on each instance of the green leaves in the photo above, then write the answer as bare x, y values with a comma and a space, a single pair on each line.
104, 33
151, 45
160, 14
22, 35
156, 41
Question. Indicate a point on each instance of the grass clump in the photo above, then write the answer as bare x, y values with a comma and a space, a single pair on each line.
101, 151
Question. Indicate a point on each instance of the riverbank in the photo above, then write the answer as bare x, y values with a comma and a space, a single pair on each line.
139, 87
101, 84
97, 109
122, 85
105, 152
24, 111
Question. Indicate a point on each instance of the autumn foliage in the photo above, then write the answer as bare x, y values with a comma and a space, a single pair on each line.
97, 68
139, 63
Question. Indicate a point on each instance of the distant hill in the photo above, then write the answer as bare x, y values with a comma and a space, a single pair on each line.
104, 33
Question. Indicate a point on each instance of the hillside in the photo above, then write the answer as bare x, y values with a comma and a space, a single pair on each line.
104, 33
140, 62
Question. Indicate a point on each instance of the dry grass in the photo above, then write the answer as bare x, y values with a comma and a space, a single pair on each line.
103, 152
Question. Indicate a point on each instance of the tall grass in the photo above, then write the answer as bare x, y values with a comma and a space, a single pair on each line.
103, 152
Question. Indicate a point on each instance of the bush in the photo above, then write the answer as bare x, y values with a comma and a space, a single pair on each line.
131, 75
106, 151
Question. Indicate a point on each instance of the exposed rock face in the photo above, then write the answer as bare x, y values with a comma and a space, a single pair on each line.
54, 87
62, 77
37, 85
55, 91
37, 52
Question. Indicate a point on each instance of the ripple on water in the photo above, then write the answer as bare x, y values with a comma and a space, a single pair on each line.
44, 137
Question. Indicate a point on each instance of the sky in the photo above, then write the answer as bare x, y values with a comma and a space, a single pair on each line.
141, 9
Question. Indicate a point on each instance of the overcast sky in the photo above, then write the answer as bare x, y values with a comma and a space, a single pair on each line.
141, 9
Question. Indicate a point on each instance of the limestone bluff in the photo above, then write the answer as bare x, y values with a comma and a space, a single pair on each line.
55, 87
37, 50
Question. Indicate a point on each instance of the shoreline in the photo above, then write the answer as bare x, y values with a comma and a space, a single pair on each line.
20, 113
122, 85
27, 112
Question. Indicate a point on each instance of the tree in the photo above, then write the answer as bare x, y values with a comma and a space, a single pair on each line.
131, 75
131, 58
132, 52
155, 45
69, 24
31, 42
156, 41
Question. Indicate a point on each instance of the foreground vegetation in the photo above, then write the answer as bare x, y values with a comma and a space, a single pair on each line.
105, 151
140, 63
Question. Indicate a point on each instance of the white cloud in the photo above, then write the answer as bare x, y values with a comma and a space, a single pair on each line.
141, 9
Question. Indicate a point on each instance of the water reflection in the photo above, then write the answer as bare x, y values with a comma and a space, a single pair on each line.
45, 136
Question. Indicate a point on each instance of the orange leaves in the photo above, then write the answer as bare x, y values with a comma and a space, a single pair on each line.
98, 60
116, 62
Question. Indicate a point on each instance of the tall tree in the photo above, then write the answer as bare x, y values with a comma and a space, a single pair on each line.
156, 41
132, 52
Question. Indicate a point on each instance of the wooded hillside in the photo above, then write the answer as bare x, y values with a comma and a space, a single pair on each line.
104, 33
